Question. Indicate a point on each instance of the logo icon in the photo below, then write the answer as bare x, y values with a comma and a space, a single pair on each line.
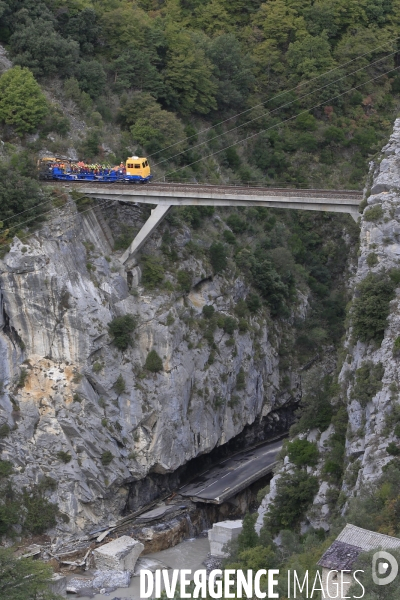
384, 568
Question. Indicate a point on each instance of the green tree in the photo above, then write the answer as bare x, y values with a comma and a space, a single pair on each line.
121, 329
152, 272
248, 537
91, 77
24, 578
19, 194
295, 493
22, 103
153, 362
188, 86
371, 308
36, 44
218, 257
151, 126
302, 452
233, 75
310, 56
134, 70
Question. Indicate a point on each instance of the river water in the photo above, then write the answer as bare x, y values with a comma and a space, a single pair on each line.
189, 554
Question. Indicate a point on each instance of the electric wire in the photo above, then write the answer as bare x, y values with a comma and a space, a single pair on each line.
302, 83
254, 107
279, 124
269, 113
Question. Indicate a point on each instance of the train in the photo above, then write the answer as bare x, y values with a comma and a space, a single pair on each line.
135, 170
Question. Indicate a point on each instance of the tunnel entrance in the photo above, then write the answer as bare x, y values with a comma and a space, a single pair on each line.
157, 486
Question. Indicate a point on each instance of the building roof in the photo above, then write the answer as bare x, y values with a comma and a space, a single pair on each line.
350, 542
340, 556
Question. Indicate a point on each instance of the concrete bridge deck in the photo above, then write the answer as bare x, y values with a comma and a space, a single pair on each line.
165, 195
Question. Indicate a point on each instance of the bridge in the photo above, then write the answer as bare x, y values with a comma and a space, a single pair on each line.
166, 195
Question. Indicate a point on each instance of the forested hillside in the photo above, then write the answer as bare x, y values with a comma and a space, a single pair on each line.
186, 80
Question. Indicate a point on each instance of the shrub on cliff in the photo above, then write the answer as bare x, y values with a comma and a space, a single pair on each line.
371, 307
218, 257
375, 213
152, 272
121, 329
153, 362
368, 382
302, 453
295, 493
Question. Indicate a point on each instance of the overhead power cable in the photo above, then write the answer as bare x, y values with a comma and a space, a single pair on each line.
301, 84
269, 113
281, 123
254, 107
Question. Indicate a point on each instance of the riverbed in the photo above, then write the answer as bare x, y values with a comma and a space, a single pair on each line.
189, 554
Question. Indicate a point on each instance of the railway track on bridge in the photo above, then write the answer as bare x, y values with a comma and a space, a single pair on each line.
182, 188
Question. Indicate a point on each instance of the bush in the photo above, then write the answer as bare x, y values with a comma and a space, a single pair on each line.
371, 307
306, 122
334, 135
307, 142
375, 213
24, 578
153, 362
372, 259
208, 311
396, 345
229, 325
6, 468
64, 456
229, 237
121, 329
237, 224
295, 493
241, 380
315, 408
241, 309
4, 430
19, 194
243, 326
218, 257
302, 452
184, 280
273, 289
120, 385
22, 103
393, 449
106, 458
368, 382
253, 302
232, 158
41, 514
152, 272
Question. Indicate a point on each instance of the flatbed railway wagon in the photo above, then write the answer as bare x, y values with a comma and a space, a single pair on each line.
134, 170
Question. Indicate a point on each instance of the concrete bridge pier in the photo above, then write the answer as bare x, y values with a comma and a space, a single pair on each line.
157, 215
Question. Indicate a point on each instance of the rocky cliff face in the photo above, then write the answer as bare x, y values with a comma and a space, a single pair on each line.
372, 413
59, 368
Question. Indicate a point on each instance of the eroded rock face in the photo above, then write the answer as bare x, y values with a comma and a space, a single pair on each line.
58, 292
368, 433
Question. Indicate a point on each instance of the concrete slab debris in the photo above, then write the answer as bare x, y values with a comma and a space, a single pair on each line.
222, 533
119, 555
58, 585
150, 564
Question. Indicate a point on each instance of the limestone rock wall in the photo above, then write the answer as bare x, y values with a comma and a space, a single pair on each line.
58, 369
